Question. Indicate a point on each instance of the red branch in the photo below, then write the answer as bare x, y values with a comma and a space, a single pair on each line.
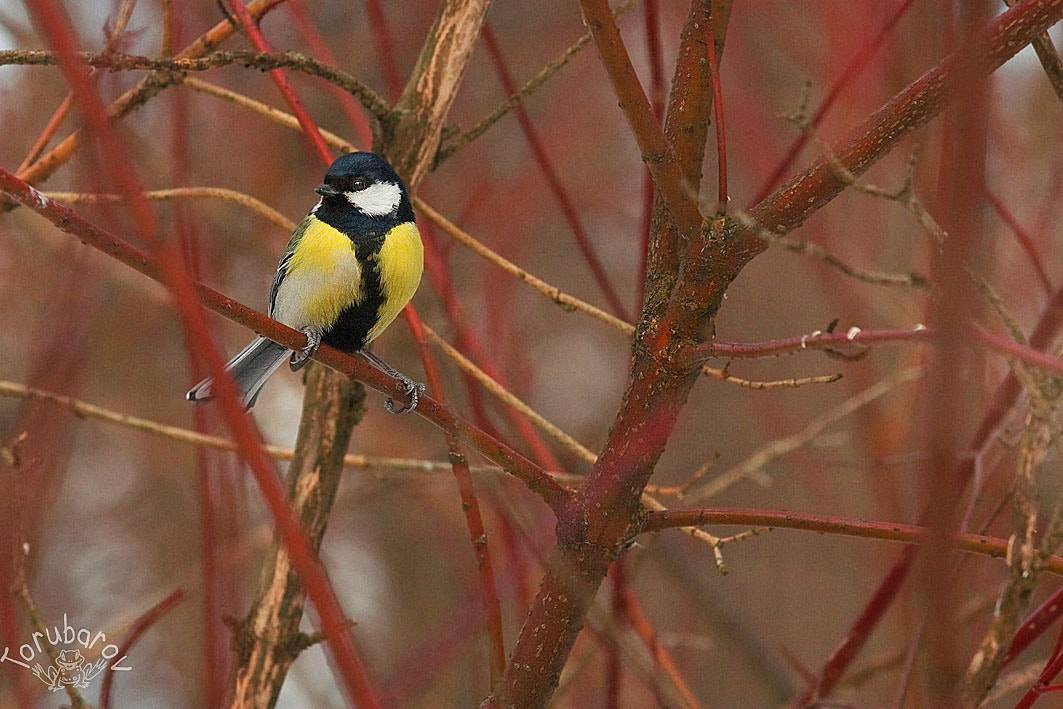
258, 41
560, 193
657, 98
354, 110
1036, 624
912, 108
471, 345
1049, 324
812, 341
381, 35
1025, 240
656, 150
1010, 348
1051, 670
837, 340
470, 505
140, 626
534, 477
173, 273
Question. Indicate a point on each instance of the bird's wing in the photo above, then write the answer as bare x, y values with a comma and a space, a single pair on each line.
282, 267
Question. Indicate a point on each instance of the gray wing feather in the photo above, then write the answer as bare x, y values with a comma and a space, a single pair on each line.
282, 267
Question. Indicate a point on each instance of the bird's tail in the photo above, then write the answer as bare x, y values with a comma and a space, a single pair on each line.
250, 369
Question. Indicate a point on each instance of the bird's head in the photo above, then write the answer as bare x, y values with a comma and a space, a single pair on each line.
365, 180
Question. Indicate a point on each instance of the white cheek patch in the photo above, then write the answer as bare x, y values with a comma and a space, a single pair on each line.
317, 206
376, 200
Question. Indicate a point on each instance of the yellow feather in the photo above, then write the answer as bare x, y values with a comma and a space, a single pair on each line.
324, 277
401, 259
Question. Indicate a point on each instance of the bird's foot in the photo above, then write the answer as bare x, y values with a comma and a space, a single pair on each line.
413, 394
300, 358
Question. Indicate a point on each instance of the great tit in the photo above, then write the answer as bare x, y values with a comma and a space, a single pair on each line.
350, 267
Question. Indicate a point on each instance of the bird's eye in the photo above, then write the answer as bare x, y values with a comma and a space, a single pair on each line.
359, 184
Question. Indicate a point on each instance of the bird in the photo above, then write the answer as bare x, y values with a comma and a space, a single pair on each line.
349, 269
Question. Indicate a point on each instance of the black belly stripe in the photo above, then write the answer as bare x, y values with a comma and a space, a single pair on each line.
352, 327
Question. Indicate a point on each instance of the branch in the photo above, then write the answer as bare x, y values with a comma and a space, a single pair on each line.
771, 451
829, 524
509, 399
263, 61
656, 150
916, 105
353, 367
84, 409
852, 69
267, 641
470, 505
413, 141
1049, 58
553, 181
148, 87
571, 303
817, 340
455, 144
140, 626
591, 532
241, 198
274, 114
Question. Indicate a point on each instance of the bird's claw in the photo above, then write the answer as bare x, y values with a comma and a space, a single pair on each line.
413, 393
301, 357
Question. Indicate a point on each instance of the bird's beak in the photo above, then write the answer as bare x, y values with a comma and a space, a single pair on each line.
326, 191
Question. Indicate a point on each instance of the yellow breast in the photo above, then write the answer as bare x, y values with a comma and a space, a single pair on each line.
401, 262
323, 277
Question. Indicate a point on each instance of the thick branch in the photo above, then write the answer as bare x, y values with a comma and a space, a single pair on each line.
593, 527
787, 207
678, 194
410, 140
265, 641
413, 141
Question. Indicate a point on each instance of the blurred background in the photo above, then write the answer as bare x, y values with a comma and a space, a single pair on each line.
115, 518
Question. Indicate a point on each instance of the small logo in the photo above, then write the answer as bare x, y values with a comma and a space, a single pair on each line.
70, 667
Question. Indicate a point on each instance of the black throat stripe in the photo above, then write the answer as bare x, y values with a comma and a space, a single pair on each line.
352, 327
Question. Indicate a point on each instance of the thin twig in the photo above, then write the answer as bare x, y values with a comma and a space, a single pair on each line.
241, 198
571, 303
274, 114
470, 505
280, 80
142, 624
876, 278
455, 144
50, 128
506, 397
263, 61
994, 547
852, 69
753, 466
84, 409
904, 195
21, 589
1049, 57
553, 181
836, 342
